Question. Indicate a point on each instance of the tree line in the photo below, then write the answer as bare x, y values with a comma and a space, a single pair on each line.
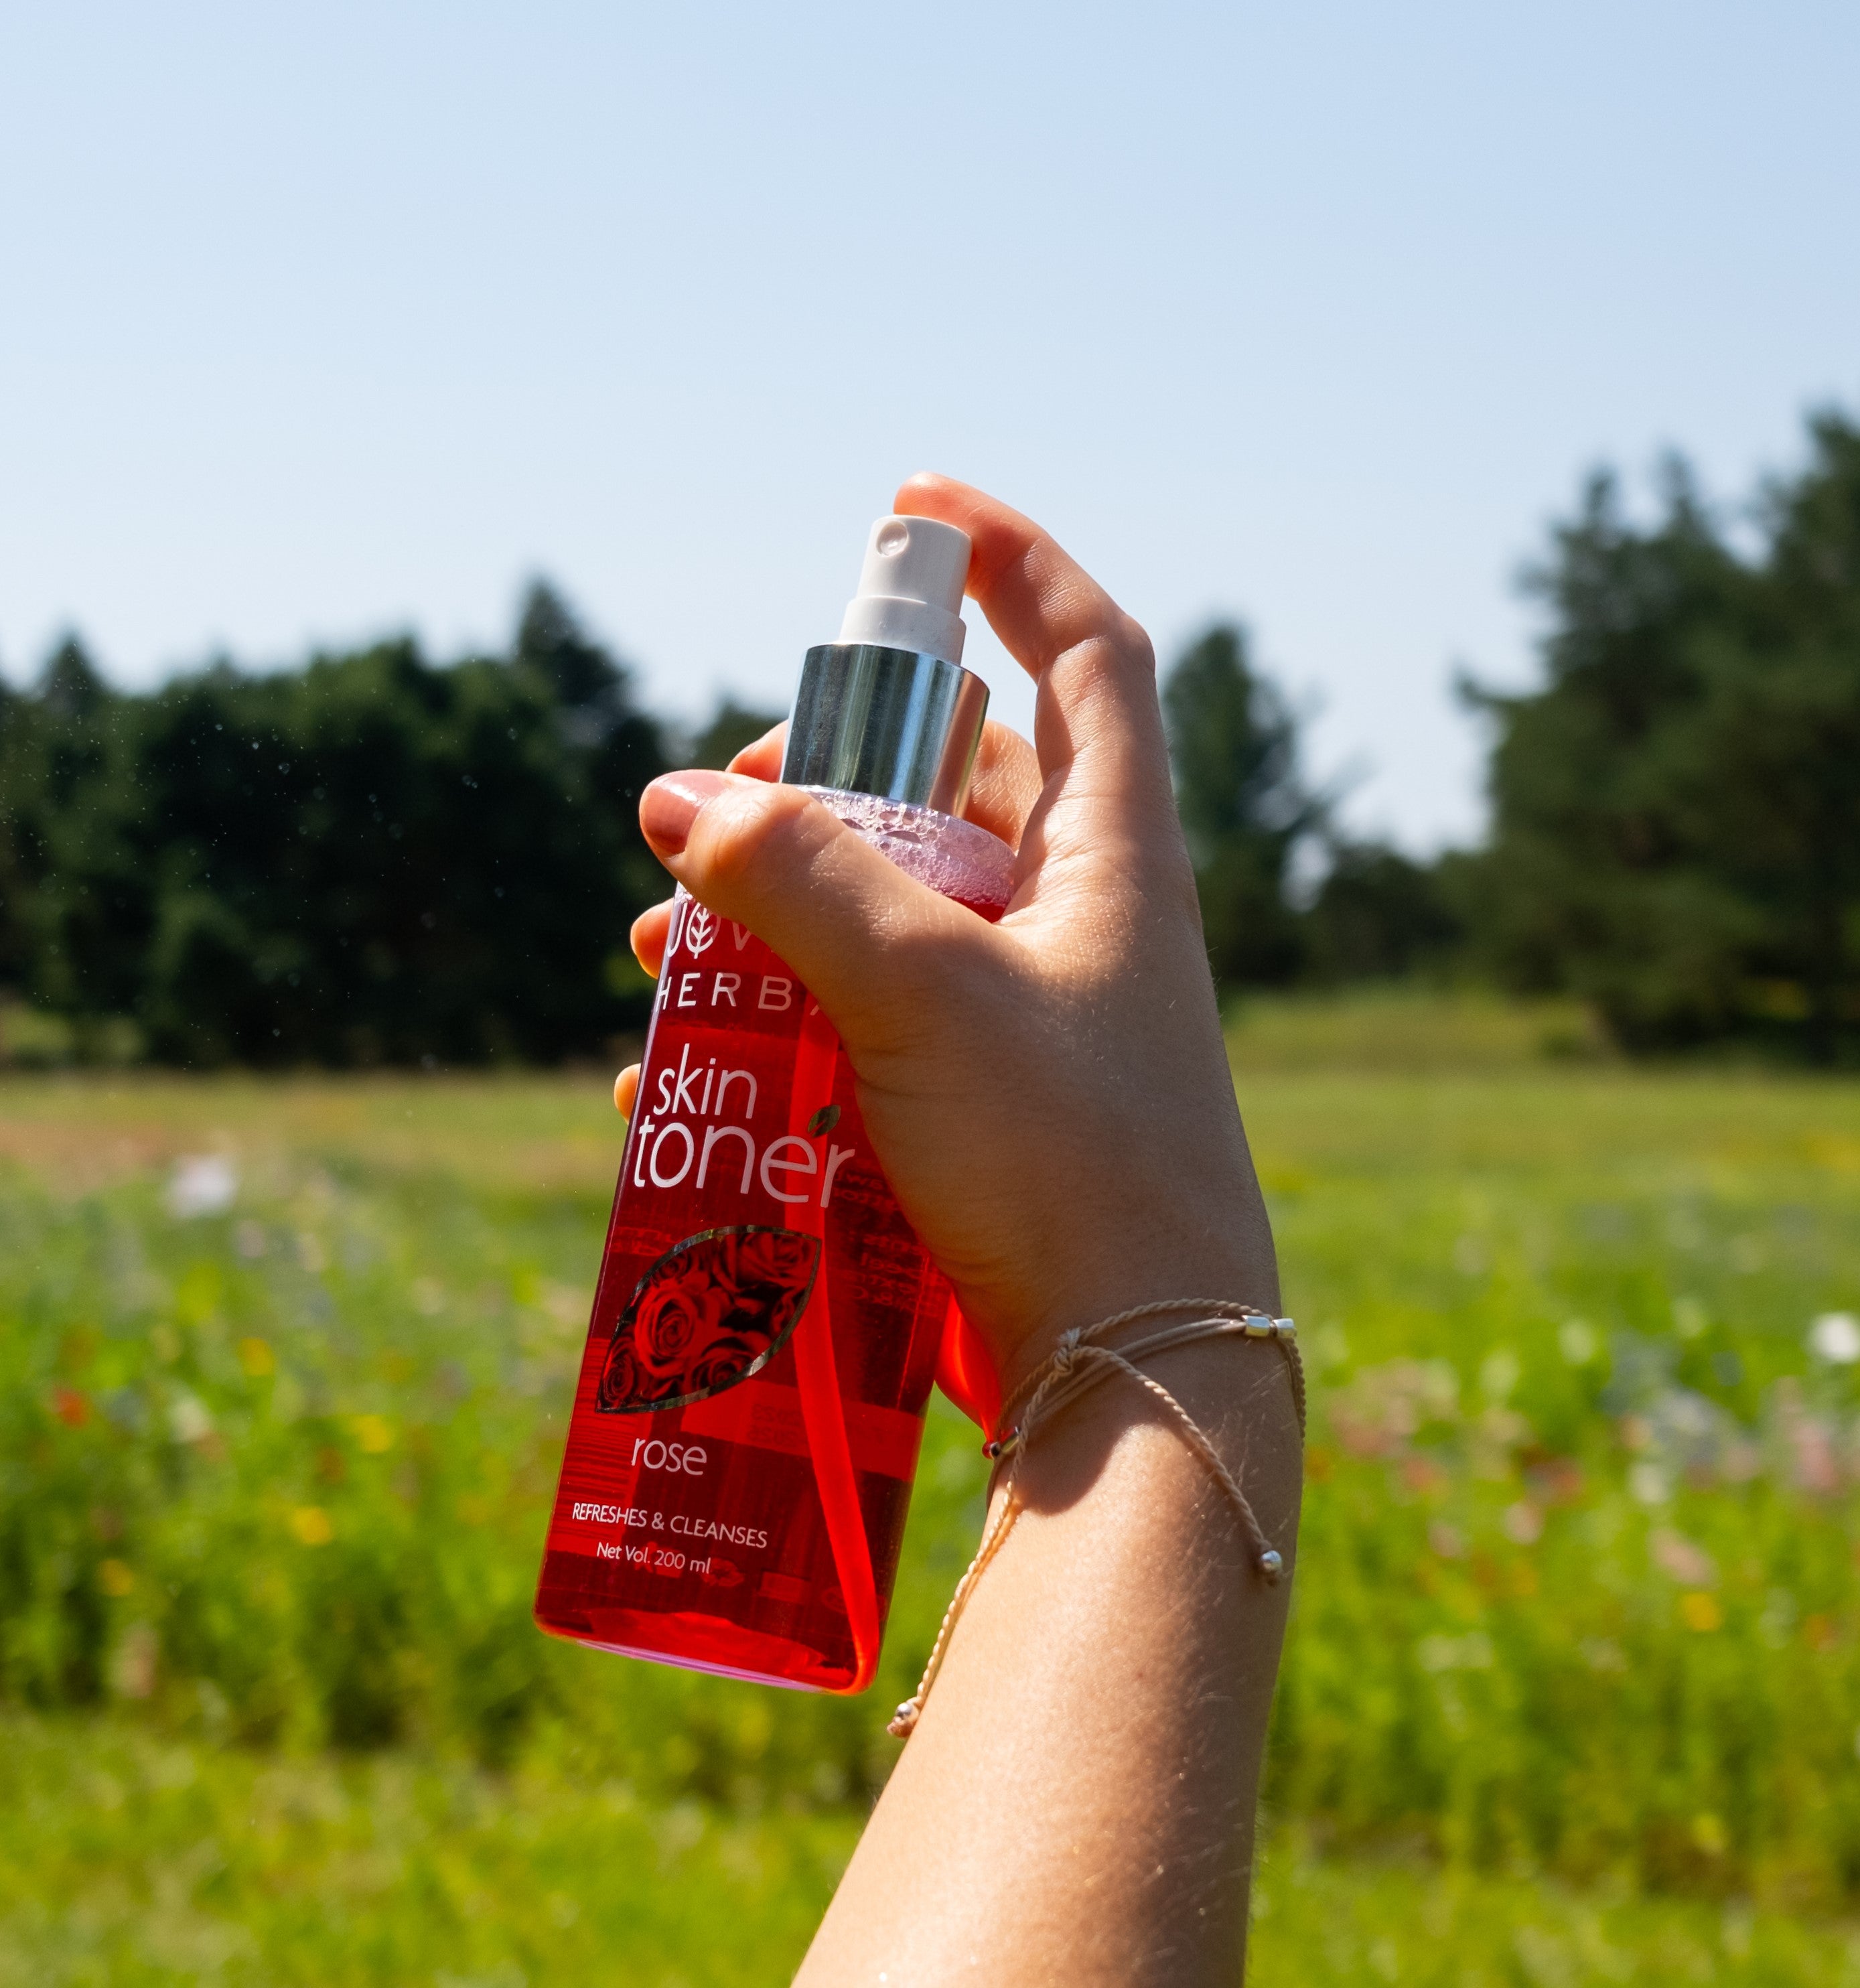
1674, 832
370, 860
378, 859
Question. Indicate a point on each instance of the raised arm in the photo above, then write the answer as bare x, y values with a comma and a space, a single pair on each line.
1051, 1101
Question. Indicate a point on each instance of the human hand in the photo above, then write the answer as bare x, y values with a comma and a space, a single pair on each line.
1049, 1096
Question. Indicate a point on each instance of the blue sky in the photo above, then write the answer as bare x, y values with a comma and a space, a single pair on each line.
319, 322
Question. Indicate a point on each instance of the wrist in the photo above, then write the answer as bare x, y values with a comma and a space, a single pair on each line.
1237, 1398
1157, 1298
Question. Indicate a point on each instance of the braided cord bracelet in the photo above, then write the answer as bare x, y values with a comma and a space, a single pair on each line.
1078, 1363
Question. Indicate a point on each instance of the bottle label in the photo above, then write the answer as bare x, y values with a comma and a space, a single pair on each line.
751, 1400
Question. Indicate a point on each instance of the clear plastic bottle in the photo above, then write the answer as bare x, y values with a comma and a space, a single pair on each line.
766, 1326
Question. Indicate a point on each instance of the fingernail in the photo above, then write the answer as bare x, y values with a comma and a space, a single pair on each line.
670, 805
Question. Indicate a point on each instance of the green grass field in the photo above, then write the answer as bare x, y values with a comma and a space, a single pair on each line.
1572, 1693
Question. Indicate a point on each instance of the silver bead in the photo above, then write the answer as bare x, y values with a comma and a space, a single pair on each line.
1271, 1564
1256, 1325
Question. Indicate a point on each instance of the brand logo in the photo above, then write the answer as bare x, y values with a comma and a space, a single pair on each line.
700, 929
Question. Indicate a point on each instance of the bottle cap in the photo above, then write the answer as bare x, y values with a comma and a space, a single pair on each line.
887, 709
909, 592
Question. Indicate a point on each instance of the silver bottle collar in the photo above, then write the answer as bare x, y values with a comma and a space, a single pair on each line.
894, 722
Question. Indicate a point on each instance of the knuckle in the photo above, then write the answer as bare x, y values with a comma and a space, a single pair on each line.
934, 971
744, 831
1116, 649
1133, 642
922, 969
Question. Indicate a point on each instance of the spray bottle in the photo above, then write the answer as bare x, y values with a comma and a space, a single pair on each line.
766, 1326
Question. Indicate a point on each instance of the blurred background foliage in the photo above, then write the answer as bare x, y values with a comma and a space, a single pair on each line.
375, 860
371, 860
1575, 1667
1675, 823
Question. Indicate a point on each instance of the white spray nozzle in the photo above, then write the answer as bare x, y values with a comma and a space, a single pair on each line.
910, 589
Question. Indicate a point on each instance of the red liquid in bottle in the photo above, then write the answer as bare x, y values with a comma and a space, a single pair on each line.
766, 1327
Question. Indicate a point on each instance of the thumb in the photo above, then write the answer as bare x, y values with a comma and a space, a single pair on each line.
865, 939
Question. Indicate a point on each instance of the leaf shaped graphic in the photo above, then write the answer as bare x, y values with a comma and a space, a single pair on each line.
700, 929
707, 1314
823, 1120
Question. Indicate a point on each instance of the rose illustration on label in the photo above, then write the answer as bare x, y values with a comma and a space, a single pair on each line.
706, 1315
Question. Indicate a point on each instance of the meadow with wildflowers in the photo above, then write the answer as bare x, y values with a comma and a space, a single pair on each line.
1573, 1687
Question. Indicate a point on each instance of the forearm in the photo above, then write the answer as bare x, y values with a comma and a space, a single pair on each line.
1076, 1802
